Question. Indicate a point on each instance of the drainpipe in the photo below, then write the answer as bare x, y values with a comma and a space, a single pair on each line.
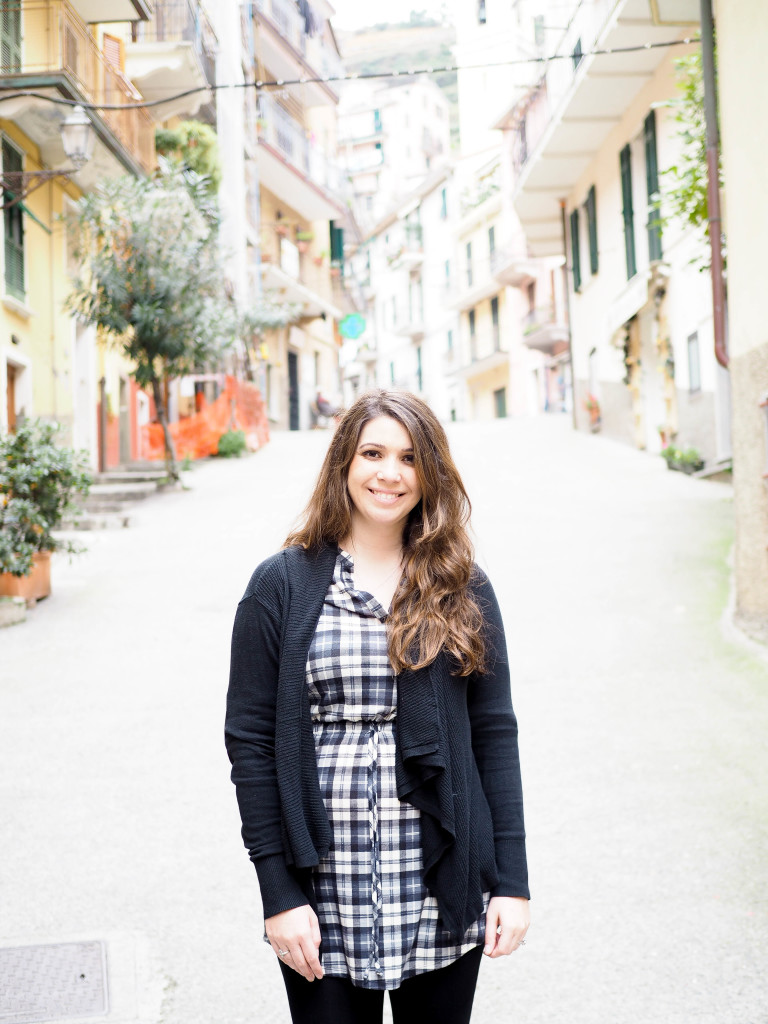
568, 311
103, 425
713, 180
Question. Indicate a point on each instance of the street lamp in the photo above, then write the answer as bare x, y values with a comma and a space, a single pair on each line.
77, 138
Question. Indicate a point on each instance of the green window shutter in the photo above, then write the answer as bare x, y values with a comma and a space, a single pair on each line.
13, 224
652, 182
10, 38
337, 246
625, 163
575, 253
592, 230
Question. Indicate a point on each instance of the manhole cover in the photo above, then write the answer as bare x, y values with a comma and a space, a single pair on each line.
42, 983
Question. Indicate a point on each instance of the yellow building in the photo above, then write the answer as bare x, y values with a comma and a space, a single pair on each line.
50, 366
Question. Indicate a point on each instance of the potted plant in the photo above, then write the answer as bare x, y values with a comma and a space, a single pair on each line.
592, 406
691, 461
39, 482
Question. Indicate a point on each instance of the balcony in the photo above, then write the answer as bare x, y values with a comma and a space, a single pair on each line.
60, 54
408, 253
511, 267
294, 169
290, 278
173, 53
287, 53
545, 329
97, 11
560, 126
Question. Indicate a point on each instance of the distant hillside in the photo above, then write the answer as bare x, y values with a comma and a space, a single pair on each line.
385, 48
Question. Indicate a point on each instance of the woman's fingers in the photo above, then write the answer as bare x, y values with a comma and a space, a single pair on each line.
295, 937
506, 925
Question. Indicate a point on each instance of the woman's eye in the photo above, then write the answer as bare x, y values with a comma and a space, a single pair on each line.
408, 459
372, 453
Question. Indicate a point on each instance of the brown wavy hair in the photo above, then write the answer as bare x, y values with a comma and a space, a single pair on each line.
434, 609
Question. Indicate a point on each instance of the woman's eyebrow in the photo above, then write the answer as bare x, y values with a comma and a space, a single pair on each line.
375, 444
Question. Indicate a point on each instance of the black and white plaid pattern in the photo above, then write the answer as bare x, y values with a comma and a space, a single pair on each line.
379, 926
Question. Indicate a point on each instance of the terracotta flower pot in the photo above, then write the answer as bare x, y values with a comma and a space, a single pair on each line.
33, 587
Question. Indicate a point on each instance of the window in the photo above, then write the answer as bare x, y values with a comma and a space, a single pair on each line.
337, 244
481, 15
625, 164
391, 373
13, 227
694, 363
443, 204
495, 323
577, 54
447, 273
419, 369
10, 37
591, 209
575, 251
450, 342
492, 240
538, 30
472, 336
469, 264
377, 120
652, 183
500, 403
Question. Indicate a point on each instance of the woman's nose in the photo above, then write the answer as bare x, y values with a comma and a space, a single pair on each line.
389, 470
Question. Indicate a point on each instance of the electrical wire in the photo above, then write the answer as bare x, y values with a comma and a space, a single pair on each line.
281, 83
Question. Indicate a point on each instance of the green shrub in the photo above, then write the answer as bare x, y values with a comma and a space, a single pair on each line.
231, 444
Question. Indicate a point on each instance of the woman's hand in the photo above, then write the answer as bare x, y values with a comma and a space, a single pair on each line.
297, 931
506, 923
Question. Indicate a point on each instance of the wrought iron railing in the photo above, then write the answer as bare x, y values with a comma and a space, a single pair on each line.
56, 39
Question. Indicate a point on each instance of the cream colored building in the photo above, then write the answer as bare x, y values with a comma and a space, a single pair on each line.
51, 366
742, 30
590, 140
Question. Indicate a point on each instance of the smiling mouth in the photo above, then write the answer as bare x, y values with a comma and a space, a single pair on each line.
385, 496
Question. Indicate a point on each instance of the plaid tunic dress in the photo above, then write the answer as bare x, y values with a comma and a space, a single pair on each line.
378, 923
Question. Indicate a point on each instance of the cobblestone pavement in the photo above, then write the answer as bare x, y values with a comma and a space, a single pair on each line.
643, 730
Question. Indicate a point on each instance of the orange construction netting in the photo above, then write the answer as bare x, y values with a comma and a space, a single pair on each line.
240, 406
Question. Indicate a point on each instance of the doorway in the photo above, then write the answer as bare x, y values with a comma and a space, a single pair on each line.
125, 423
10, 392
293, 391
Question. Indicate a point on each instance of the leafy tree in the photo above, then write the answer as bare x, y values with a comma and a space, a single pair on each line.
684, 184
151, 278
266, 314
196, 145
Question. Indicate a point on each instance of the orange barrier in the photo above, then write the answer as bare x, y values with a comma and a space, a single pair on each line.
238, 407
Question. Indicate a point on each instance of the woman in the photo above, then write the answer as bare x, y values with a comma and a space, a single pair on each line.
372, 736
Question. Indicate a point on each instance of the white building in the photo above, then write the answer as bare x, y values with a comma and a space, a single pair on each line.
390, 136
590, 140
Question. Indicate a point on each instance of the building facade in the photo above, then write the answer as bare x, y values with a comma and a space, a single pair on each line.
588, 144
742, 77
51, 365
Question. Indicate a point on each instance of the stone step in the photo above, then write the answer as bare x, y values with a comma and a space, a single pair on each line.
121, 491
130, 476
109, 520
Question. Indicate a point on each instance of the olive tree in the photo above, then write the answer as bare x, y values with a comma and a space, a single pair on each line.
151, 278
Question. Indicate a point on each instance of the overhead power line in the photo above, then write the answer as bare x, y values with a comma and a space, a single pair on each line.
280, 83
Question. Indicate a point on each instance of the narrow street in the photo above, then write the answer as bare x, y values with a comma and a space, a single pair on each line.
643, 721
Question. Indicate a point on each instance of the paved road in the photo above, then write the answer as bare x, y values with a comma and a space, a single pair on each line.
643, 726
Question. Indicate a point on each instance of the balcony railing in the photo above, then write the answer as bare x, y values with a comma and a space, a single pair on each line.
286, 18
57, 40
289, 138
180, 21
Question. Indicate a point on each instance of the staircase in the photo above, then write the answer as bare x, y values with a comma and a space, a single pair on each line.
112, 495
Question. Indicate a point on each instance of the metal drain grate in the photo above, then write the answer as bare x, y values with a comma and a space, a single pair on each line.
43, 983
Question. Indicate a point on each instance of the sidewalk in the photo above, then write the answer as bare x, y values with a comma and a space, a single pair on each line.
643, 733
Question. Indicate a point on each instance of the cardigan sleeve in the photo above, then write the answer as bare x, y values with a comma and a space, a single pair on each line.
495, 747
250, 736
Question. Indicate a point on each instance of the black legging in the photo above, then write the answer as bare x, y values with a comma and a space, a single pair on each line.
444, 995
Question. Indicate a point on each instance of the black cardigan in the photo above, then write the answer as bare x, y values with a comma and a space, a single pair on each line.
456, 742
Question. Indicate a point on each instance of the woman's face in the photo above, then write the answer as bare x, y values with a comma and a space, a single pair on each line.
381, 479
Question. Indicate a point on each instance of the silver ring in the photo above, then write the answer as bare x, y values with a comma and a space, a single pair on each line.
283, 952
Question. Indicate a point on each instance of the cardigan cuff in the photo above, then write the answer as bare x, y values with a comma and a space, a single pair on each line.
279, 888
513, 869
